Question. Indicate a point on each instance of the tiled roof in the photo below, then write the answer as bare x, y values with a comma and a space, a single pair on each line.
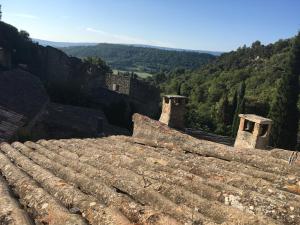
158, 176
10, 122
22, 97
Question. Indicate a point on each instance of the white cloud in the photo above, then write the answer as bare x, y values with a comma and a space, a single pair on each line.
124, 39
96, 31
23, 15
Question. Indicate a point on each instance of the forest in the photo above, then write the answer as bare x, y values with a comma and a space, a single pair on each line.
247, 80
141, 59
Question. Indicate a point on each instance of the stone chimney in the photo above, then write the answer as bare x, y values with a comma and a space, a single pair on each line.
173, 110
254, 132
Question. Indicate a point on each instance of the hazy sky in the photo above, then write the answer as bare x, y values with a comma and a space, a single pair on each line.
219, 25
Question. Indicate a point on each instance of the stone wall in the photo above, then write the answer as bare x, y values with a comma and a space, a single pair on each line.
143, 91
136, 89
118, 83
108, 100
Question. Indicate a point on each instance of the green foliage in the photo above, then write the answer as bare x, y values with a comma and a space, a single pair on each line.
222, 115
240, 108
18, 42
99, 63
278, 113
284, 111
141, 59
207, 88
24, 35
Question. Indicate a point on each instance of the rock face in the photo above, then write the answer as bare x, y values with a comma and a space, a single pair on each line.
158, 176
22, 99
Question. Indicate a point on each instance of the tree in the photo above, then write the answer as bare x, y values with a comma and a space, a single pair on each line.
233, 105
0, 12
222, 115
98, 62
239, 109
284, 110
25, 35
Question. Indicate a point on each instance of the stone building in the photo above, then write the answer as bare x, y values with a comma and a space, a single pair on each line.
173, 110
5, 58
254, 132
133, 87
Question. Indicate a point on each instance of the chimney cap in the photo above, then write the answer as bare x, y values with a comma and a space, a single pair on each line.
174, 96
256, 118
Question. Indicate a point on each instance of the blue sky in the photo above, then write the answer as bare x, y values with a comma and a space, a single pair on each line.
218, 25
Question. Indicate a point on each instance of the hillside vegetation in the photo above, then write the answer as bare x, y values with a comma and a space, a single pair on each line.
141, 59
212, 89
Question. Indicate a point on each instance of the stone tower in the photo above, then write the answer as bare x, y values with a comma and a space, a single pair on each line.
254, 132
173, 110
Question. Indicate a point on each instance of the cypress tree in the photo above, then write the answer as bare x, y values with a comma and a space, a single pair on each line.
240, 108
223, 116
284, 110
223, 111
233, 106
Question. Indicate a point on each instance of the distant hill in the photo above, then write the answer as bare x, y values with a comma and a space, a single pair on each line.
141, 59
215, 53
58, 44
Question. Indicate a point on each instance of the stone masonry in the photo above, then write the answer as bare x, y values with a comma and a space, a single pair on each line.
133, 87
254, 132
173, 110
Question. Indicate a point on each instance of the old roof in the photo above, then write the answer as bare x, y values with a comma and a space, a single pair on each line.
10, 122
66, 121
22, 97
157, 176
256, 118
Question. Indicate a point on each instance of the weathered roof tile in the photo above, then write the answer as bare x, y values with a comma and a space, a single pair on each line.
158, 176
